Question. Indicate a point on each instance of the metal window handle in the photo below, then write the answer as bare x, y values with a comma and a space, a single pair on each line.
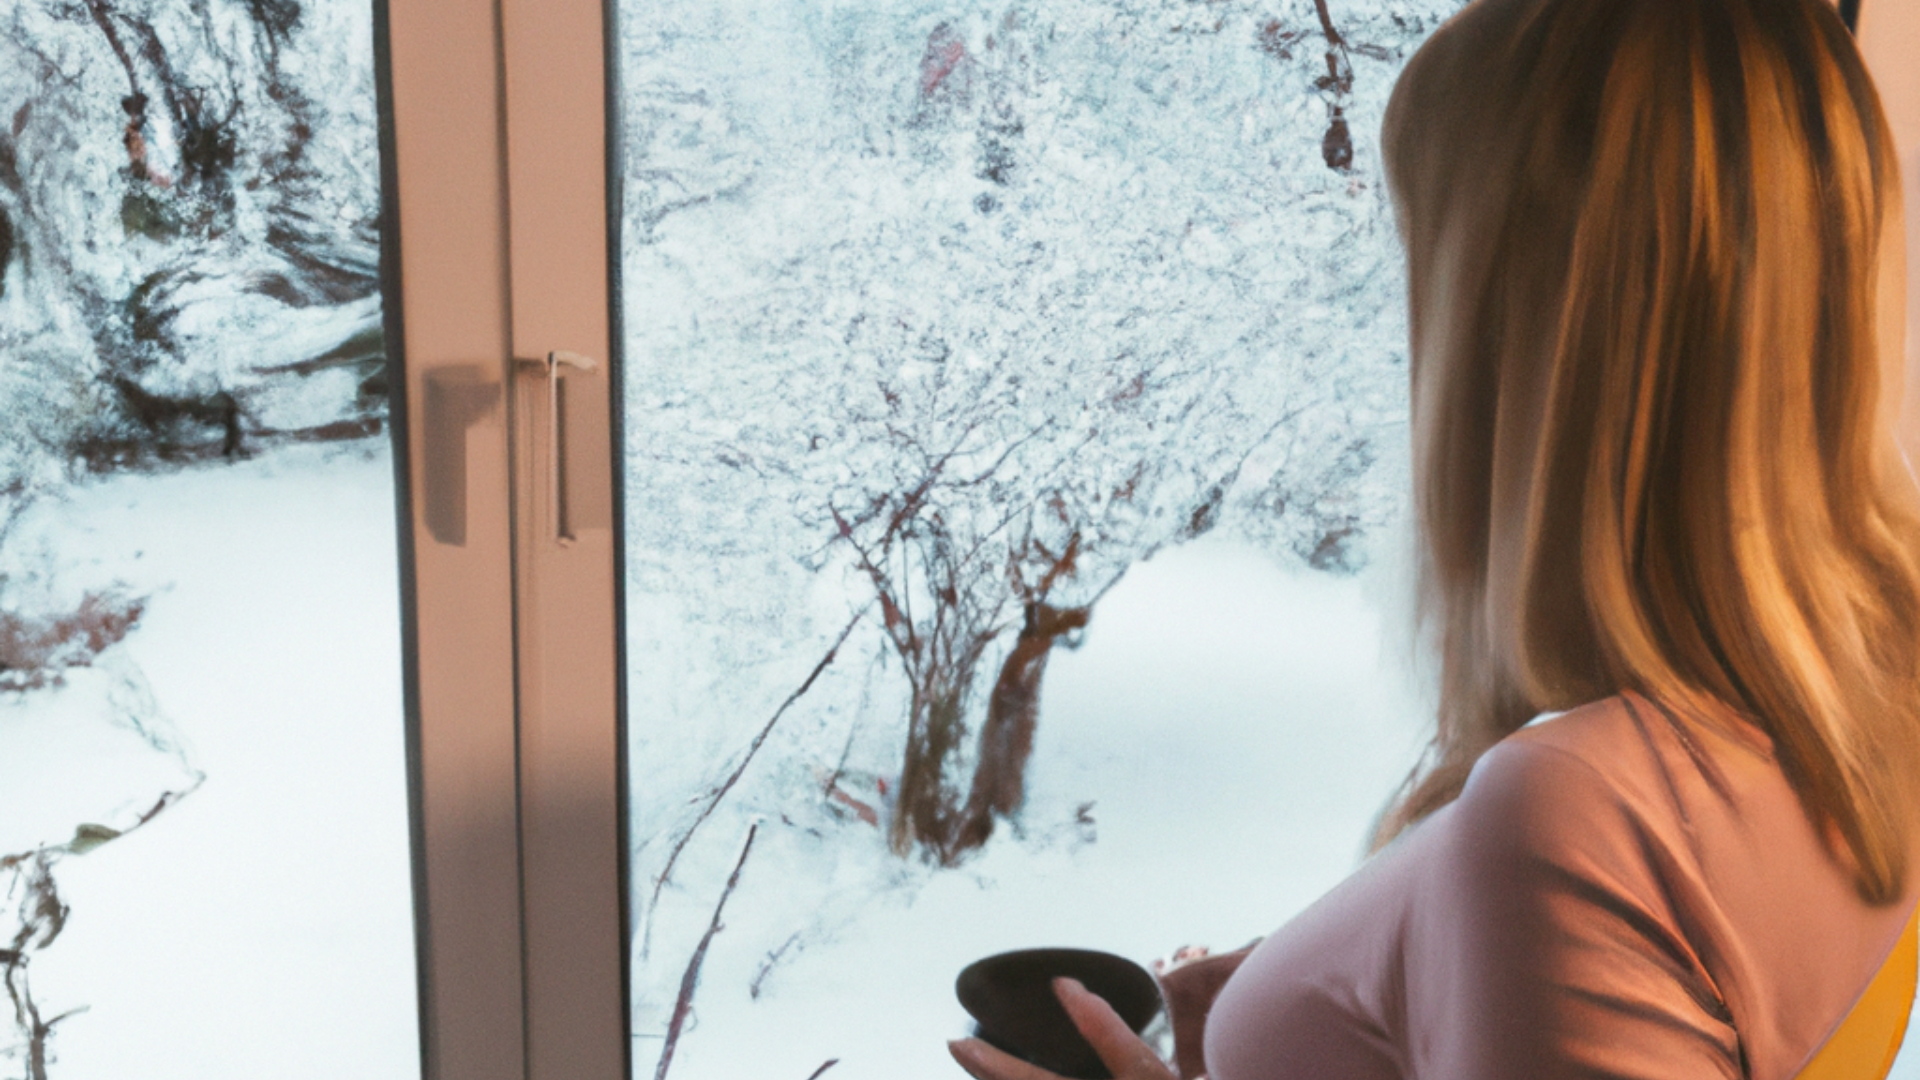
556, 433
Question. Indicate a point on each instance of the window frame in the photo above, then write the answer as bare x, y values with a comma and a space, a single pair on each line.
496, 253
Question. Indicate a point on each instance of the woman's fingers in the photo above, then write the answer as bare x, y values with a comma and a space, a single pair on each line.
984, 1062
1125, 1054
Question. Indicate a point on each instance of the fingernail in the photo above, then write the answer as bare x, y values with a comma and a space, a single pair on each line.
1065, 983
961, 1048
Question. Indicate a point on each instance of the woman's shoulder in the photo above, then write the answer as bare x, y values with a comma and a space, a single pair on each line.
1564, 783
1650, 750
1625, 777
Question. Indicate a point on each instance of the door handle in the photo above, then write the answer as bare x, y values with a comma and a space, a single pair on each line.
550, 365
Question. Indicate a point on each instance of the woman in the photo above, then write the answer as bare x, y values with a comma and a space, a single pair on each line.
1655, 265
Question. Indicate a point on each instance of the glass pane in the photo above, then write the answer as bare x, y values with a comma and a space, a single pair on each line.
1016, 427
204, 844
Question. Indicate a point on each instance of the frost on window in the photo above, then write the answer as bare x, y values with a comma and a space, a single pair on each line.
189, 303
941, 320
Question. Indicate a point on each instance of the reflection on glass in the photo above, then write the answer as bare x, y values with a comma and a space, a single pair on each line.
1016, 422
203, 832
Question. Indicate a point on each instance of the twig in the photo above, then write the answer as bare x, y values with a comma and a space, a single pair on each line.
766, 968
718, 793
42, 916
824, 1066
1326, 24
683, 1005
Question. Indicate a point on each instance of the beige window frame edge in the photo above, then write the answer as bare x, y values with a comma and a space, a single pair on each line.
1890, 41
497, 247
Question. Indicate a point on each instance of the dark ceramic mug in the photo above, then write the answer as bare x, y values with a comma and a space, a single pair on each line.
1010, 997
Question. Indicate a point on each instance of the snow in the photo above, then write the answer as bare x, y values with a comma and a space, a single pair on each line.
192, 217
262, 925
89, 719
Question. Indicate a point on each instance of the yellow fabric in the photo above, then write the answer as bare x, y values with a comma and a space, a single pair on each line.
1869, 1038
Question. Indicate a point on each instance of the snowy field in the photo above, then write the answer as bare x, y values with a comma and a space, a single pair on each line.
262, 926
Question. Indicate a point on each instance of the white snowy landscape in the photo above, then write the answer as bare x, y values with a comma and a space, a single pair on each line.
262, 924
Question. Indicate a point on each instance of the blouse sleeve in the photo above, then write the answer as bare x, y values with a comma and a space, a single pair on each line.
1549, 943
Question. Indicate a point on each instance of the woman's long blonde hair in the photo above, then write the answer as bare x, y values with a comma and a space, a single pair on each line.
1651, 450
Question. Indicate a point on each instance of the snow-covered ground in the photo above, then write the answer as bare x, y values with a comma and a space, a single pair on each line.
262, 926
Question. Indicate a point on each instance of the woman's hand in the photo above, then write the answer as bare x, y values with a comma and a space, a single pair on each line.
1125, 1054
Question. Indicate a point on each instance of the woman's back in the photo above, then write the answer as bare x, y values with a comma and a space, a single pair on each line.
1620, 891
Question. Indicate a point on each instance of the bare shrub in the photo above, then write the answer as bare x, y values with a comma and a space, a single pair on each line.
34, 649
